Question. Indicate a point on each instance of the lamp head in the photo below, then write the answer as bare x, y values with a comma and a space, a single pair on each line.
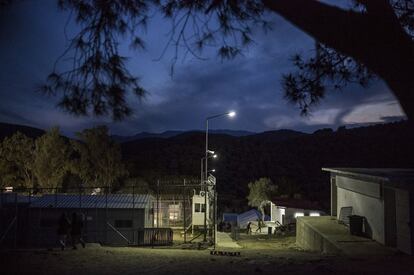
232, 114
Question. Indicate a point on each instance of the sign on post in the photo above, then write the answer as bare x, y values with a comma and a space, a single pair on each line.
211, 179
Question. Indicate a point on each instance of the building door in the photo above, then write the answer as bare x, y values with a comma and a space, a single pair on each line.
390, 217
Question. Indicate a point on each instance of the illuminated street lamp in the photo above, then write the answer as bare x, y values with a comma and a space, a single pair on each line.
229, 114
202, 166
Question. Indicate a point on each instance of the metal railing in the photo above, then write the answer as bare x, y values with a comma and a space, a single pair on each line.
155, 237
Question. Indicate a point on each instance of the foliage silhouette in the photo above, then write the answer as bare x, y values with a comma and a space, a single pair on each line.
373, 37
99, 160
261, 192
51, 159
16, 162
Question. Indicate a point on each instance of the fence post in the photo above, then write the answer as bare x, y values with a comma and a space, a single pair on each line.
158, 206
185, 218
106, 215
29, 218
17, 220
133, 213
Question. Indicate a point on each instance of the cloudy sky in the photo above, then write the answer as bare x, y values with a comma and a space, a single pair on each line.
32, 38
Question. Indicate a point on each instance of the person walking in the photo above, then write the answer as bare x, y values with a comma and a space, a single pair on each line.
76, 231
259, 225
63, 230
249, 228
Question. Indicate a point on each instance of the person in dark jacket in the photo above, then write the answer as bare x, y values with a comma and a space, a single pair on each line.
249, 228
63, 230
76, 231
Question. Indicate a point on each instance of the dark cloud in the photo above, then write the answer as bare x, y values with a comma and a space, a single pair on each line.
32, 38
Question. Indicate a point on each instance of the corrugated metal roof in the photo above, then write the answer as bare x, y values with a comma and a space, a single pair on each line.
230, 217
249, 216
93, 201
11, 198
244, 218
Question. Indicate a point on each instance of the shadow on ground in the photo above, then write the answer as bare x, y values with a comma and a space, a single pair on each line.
258, 255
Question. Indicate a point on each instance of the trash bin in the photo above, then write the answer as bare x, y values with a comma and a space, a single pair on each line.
355, 224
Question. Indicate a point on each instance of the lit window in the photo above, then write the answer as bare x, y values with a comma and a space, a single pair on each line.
199, 207
173, 216
314, 214
299, 214
174, 209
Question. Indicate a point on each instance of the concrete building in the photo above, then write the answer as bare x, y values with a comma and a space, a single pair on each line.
384, 197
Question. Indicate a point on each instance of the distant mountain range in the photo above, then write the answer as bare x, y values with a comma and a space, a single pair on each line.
7, 129
168, 134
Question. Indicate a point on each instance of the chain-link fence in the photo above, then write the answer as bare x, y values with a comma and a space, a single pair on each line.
161, 216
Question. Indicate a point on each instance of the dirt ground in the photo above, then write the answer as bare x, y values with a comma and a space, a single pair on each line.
259, 255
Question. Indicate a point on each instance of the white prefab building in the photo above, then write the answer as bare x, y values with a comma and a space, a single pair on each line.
199, 207
384, 197
286, 212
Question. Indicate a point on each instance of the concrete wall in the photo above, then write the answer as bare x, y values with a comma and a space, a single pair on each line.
371, 208
402, 204
276, 213
309, 239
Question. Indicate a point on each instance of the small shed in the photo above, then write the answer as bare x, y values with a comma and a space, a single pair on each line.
384, 197
112, 219
199, 209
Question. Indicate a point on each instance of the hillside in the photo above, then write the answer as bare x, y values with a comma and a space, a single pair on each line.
7, 129
296, 157
168, 134
291, 159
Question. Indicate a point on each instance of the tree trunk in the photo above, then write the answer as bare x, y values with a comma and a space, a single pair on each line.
261, 209
374, 38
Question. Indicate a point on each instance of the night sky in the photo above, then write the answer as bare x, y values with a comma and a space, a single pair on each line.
32, 37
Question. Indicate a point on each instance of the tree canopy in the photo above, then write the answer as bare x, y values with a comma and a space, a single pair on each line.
99, 161
51, 159
16, 162
260, 193
371, 38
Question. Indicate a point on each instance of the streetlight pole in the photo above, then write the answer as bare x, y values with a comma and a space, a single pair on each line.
204, 187
230, 114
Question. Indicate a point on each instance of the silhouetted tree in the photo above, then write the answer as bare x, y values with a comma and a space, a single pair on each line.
260, 193
51, 159
16, 161
287, 186
136, 186
100, 160
374, 37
